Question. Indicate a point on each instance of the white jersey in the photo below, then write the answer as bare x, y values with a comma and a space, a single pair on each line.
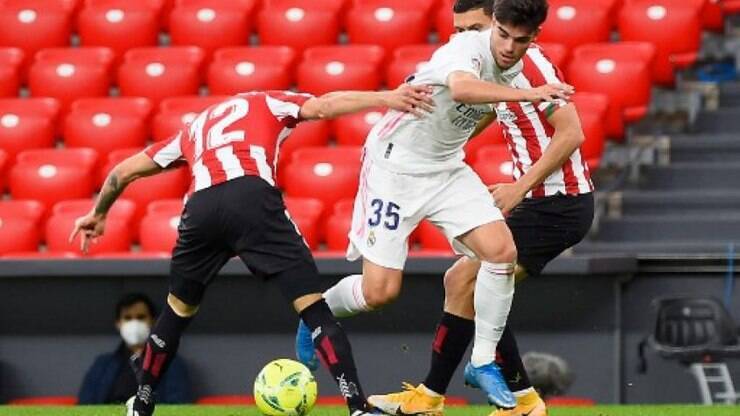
404, 143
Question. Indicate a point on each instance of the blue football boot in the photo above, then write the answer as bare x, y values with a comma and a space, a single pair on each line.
489, 379
304, 349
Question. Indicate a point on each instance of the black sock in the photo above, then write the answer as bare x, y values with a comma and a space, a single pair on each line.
335, 352
160, 349
507, 354
451, 340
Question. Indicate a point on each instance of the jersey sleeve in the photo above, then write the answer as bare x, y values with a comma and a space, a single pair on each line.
461, 53
286, 106
540, 70
166, 152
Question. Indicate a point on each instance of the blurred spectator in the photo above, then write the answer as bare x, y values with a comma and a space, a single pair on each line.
549, 374
112, 378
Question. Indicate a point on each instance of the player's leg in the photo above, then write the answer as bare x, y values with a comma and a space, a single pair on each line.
453, 335
195, 262
543, 229
381, 224
276, 251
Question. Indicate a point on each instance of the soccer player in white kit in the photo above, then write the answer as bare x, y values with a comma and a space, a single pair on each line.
413, 169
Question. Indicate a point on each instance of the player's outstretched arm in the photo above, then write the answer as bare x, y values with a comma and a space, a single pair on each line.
567, 138
92, 225
414, 99
467, 88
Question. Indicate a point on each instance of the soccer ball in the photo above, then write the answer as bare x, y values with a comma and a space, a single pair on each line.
285, 388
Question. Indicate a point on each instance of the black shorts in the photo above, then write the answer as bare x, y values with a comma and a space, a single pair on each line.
545, 227
245, 217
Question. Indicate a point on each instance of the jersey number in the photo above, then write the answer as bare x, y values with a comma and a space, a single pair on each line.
392, 218
232, 111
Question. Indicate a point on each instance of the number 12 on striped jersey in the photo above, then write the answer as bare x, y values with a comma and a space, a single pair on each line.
230, 112
392, 217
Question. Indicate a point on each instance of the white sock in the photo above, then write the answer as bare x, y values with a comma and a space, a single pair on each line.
346, 298
494, 291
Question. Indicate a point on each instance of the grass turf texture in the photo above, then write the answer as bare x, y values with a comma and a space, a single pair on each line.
681, 410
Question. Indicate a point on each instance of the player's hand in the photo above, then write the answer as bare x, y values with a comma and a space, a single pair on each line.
90, 227
507, 196
550, 93
414, 99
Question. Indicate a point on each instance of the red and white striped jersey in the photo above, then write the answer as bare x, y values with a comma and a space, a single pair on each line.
528, 133
238, 137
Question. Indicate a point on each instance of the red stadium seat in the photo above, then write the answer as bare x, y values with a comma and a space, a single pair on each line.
70, 74
352, 130
236, 70
299, 24
41, 255
174, 113
158, 73
172, 206
10, 67
387, 23
655, 21
158, 232
557, 53
602, 68
107, 124
210, 24
167, 185
330, 68
492, 135
432, 238
443, 21
118, 227
334, 171
3, 167
32, 25
592, 110
18, 234
406, 61
338, 225
27, 124
307, 213
22, 208
493, 165
119, 25
713, 16
592, 20
51, 175
307, 134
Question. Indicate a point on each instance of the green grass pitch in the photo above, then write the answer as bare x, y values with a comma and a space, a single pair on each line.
680, 410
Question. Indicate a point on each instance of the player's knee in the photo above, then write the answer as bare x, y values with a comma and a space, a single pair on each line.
381, 293
181, 308
458, 284
502, 251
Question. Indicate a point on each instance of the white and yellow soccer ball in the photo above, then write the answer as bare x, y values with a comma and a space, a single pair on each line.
285, 388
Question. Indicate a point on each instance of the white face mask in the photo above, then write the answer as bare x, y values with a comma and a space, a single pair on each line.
134, 332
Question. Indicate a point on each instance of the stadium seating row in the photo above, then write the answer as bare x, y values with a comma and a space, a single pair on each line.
24, 225
122, 25
156, 74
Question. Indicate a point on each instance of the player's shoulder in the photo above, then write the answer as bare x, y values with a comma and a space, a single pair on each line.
471, 38
539, 67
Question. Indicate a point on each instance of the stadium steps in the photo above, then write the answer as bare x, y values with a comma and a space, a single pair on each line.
722, 120
704, 148
729, 94
655, 248
695, 201
717, 226
691, 175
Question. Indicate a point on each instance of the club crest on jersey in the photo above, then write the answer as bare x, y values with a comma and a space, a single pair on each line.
371, 239
477, 64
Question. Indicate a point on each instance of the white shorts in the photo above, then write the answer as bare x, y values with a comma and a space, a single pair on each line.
389, 206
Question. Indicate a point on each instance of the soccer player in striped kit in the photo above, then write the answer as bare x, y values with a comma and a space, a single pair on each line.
234, 208
550, 207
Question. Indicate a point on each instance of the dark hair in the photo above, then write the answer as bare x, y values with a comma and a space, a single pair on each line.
528, 13
131, 299
462, 6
